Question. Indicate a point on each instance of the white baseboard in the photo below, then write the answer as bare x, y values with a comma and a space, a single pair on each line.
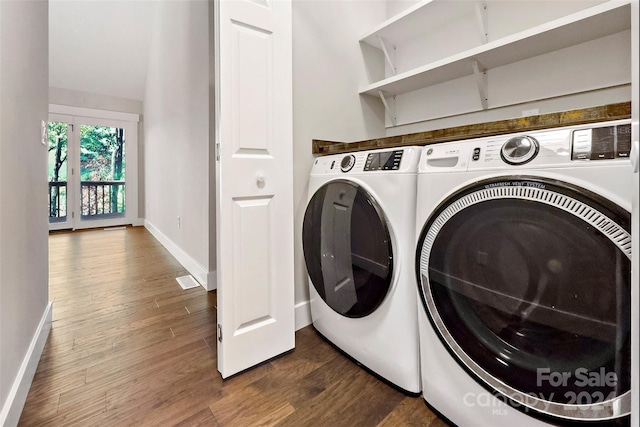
212, 281
14, 404
302, 314
138, 222
193, 267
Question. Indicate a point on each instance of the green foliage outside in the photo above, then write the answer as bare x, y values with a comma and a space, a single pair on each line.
101, 153
58, 141
58, 150
102, 158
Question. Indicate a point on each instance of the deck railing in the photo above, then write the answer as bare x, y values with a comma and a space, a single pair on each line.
98, 199
57, 200
102, 198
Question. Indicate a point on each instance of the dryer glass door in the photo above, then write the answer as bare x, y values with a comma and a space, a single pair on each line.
347, 248
528, 284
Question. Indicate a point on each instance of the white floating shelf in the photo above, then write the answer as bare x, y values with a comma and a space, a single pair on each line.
589, 24
411, 23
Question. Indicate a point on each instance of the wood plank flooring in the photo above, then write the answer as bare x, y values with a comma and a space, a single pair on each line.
128, 346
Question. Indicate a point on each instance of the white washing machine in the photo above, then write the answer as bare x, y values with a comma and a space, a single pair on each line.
523, 267
359, 246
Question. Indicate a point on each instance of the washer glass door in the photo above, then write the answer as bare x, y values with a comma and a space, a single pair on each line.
527, 283
347, 248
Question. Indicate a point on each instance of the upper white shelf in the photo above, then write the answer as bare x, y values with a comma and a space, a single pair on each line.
411, 23
589, 24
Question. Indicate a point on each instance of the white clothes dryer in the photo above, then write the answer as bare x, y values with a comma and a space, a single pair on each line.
523, 267
359, 242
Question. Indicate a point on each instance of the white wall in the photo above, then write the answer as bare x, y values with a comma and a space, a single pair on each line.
551, 105
176, 131
23, 230
327, 71
395, 7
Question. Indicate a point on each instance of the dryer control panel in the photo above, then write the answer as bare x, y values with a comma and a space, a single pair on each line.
399, 160
384, 160
601, 143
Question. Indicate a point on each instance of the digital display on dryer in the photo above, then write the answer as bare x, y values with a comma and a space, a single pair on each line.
387, 160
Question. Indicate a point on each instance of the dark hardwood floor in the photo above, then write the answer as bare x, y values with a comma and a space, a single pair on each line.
128, 346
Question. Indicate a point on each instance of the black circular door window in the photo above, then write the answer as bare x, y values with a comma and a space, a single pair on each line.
347, 248
527, 282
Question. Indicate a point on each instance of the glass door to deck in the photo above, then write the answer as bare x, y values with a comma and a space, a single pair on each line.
59, 171
102, 173
88, 168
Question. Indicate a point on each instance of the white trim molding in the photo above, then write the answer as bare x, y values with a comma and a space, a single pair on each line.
139, 222
212, 281
14, 404
303, 314
191, 265
92, 112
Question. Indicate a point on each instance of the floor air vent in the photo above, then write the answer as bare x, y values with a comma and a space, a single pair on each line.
187, 282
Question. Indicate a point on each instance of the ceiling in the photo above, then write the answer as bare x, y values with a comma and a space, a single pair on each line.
100, 46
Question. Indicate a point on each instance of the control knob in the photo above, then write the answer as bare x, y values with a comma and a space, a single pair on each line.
347, 163
519, 150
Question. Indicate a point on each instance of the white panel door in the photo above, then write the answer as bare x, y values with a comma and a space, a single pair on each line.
254, 182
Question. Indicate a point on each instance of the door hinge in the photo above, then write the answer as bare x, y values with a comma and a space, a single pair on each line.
73, 215
217, 151
71, 126
219, 332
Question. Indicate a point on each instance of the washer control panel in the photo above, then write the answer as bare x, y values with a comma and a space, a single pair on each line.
550, 146
555, 147
519, 149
